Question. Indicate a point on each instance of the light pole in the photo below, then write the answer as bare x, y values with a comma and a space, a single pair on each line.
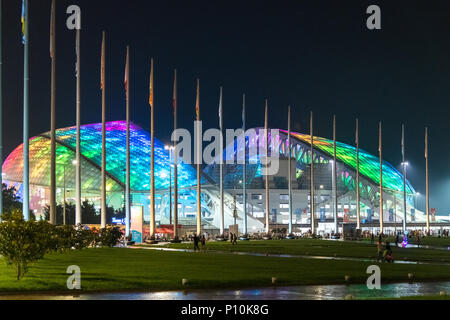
416, 200
64, 198
74, 162
404, 165
170, 149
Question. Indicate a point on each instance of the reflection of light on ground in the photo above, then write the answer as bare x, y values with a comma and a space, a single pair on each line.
325, 292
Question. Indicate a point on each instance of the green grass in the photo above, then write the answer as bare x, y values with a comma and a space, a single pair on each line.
447, 297
435, 297
323, 248
147, 270
443, 242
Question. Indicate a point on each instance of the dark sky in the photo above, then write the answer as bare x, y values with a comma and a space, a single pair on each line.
315, 55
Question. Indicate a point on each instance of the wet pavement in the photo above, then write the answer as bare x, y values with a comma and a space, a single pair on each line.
320, 292
286, 255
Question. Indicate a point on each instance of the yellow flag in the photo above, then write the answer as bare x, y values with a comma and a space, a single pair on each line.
102, 70
197, 104
150, 100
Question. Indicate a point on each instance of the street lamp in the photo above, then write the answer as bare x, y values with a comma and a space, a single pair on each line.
170, 149
74, 162
404, 165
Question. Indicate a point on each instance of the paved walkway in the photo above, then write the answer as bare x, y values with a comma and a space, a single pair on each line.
320, 292
286, 255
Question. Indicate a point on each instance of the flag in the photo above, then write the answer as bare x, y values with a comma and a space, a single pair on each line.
379, 139
24, 21
174, 100
403, 142
77, 52
150, 99
52, 31
220, 108
102, 69
126, 71
243, 111
197, 104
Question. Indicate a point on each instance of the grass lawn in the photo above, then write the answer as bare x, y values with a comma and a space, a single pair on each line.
147, 270
428, 241
447, 297
323, 248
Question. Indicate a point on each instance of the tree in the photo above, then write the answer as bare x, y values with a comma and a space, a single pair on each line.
11, 203
23, 242
89, 214
70, 213
109, 236
10, 200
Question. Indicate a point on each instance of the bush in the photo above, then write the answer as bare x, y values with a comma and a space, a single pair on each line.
110, 236
84, 238
23, 242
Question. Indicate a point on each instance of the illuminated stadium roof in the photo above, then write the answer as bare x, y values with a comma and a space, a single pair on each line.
369, 165
140, 160
91, 150
346, 154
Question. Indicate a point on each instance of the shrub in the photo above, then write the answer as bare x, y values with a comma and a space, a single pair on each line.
23, 242
110, 236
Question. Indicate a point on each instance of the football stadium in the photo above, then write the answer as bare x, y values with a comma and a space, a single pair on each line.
301, 159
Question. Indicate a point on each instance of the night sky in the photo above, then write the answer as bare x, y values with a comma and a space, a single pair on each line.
314, 55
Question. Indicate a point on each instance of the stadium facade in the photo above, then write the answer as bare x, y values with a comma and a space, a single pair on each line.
233, 179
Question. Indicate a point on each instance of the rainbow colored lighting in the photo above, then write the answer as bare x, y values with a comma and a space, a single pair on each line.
369, 165
91, 149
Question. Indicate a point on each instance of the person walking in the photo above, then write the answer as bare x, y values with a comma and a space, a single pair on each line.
234, 238
203, 242
387, 254
196, 247
380, 251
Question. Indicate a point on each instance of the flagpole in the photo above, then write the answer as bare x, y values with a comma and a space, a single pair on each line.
199, 204
289, 170
222, 222
381, 178
312, 202
53, 119
128, 173
335, 195
358, 197
103, 206
427, 182
244, 178
175, 161
266, 133
78, 215
1, 112
152, 169
26, 168
404, 179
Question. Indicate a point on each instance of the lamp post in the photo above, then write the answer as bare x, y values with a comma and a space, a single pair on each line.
170, 149
74, 162
416, 200
64, 198
404, 165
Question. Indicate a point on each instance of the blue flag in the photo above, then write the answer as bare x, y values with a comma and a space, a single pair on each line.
24, 21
